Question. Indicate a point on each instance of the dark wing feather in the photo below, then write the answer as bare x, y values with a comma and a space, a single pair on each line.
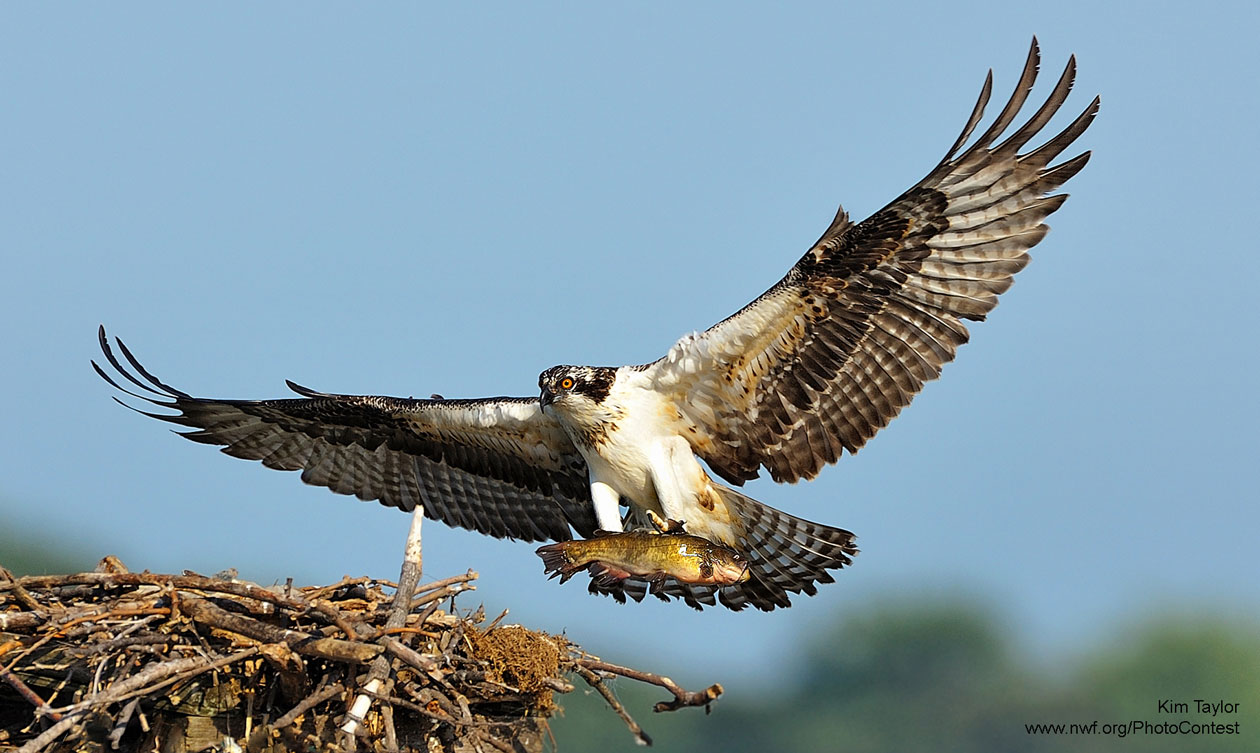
829, 355
496, 465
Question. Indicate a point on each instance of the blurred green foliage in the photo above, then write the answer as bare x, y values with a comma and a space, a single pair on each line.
943, 676
25, 551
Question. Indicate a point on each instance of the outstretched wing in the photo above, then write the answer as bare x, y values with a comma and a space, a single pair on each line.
829, 355
496, 465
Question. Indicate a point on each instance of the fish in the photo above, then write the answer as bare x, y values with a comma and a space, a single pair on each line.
651, 556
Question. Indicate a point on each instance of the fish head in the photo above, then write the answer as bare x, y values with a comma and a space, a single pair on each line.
725, 566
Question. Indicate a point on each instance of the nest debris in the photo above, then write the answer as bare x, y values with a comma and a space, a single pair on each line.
114, 660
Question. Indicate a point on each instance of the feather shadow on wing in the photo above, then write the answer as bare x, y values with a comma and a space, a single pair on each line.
498, 466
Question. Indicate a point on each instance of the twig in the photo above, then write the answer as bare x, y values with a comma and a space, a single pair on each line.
422, 662
319, 592
133, 686
94, 688
391, 734
116, 643
82, 615
23, 596
594, 681
444, 717
336, 649
156, 676
31, 696
120, 727
20, 620
471, 575
111, 564
308, 703
113, 614
338, 619
496, 742
46, 737
682, 698
494, 623
182, 582
558, 685
442, 593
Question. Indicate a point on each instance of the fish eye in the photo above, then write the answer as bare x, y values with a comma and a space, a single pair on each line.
737, 556
566, 383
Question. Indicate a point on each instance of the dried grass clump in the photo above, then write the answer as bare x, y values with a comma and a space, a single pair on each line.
522, 660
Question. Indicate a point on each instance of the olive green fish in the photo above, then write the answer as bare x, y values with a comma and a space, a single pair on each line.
611, 558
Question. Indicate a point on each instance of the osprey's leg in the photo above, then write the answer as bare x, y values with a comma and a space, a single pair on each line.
677, 477
607, 503
686, 493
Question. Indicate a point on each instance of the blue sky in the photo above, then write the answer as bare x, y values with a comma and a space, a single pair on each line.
411, 200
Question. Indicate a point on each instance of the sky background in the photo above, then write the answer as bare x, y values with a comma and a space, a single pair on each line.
405, 200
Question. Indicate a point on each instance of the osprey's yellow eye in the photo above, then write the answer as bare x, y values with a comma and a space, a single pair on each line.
566, 383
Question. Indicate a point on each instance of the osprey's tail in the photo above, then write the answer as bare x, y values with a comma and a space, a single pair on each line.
786, 555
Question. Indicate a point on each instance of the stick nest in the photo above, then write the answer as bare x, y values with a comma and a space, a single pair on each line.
114, 660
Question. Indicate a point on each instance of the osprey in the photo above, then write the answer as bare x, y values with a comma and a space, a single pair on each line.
811, 369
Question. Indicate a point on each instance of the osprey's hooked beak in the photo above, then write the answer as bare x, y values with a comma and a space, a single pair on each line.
546, 398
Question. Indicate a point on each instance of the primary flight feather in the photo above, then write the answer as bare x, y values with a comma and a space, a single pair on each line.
811, 369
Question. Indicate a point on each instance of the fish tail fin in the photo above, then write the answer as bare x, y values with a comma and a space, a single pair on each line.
556, 560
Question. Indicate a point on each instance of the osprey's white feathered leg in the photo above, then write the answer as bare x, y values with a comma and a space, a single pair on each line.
607, 506
685, 492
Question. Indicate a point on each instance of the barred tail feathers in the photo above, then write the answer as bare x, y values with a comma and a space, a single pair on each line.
786, 554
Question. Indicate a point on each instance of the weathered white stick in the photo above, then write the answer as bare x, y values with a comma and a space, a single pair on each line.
360, 708
407, 581
412, 554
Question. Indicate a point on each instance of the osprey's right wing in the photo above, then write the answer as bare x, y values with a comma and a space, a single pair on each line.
497, 465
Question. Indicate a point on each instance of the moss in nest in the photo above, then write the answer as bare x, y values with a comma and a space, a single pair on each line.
520, 658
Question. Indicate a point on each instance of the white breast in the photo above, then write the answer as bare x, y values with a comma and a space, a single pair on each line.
644, 457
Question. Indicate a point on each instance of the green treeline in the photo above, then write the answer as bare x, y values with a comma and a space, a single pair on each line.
943, 677
26, 553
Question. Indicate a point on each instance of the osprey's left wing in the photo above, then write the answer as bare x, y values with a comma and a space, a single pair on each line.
499, 466
829, 355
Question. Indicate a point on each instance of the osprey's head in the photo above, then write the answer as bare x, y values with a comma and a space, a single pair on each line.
567, 384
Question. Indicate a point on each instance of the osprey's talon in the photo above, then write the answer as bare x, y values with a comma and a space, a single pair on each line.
665, 525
